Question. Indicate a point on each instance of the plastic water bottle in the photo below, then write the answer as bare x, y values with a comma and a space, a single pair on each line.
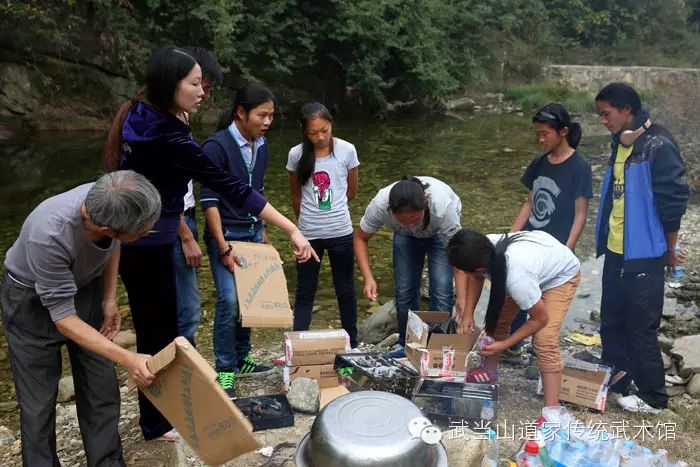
677, 274
491, 457
487, 411
530, 456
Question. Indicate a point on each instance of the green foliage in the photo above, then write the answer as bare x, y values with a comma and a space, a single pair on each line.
373, 53
534, 95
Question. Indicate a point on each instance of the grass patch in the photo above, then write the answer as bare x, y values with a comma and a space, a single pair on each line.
532, 96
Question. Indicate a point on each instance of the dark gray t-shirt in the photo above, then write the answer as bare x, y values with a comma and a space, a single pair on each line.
53, 253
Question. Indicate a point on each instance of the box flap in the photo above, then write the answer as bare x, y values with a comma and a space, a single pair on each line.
433, 316
185, 391
261, 286
416, 330
328, 394
159, 361
458, 342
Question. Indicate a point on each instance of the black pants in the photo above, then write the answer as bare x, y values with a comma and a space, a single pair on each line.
342, 259
148, 274
630, 317
35, 354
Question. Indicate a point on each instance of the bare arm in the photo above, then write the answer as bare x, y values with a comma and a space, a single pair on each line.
302, 247
89, 338
190, 247
296, 193
523, 215
213, 219
110, 309
538, 320
579, 222
468, 292
353, 179
360, 243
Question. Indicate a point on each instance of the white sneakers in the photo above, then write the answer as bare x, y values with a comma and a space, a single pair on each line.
635, 404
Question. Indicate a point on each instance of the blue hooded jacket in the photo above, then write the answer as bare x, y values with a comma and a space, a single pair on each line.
159, 146
655, 198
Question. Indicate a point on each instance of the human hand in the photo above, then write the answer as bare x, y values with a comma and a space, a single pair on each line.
494, 349
137, 367
676, 258
193, 253
466, 324
370, 289
303, 251
112, 318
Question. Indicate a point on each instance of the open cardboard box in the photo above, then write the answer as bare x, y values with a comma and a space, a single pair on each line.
315, 347
187, 394
437, 354
325, 375
584, 384
327, 395
261, 287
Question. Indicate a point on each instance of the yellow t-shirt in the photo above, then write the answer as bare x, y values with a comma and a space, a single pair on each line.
617, 215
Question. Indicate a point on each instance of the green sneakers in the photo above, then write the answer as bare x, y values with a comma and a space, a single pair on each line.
227, 381
249, 367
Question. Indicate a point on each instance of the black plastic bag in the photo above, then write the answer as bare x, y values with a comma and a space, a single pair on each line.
449, 326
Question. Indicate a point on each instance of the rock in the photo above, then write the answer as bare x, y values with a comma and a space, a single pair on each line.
66, 390
595, 315
670, 416
693, 387
18, 96
666, 343
674, 391
688, 350
8, 406
670, 308
667, 361
390, 341
125, 339
464, 447
7, 436
532, 372
463, 104
379, 325
303, 395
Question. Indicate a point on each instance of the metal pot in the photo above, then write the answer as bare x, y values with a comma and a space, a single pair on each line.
367, 428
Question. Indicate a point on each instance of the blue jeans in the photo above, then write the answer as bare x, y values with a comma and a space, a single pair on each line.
188, 303
409, 256
231, 340
342, 258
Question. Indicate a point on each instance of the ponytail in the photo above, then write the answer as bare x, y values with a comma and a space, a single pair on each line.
573, 137
113, 146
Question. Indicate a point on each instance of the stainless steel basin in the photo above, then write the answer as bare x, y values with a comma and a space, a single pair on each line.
367, 428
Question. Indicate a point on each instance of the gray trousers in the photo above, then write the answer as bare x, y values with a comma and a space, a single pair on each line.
35, 354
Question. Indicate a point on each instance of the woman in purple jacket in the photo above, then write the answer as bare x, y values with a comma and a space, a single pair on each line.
150, 135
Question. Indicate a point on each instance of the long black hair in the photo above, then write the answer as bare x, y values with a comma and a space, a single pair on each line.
556, 117
251, 96
468, 250
408, 195
620, 95
307, 162
167, 66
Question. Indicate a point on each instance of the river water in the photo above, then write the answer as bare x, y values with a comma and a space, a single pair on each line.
482, 158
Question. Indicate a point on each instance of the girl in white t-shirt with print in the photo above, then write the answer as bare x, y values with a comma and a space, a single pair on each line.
323, 177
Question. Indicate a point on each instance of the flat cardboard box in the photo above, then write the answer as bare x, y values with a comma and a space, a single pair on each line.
315, 347
584, 384
187, 394
329, 394
324, 374
261, 287
437, 354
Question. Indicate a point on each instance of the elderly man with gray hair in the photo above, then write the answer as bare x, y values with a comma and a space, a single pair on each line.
60, 287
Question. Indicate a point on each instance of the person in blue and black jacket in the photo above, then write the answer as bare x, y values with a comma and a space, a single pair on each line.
642, 202
239, 147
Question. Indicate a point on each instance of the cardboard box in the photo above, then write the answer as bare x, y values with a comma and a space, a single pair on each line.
315, 347
187, 394
437, 354
447, 403
375, 372
583, 383
324, 374
329, 394
261, 287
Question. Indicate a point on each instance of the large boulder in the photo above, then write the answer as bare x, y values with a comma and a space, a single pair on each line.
303, 395
125, 339
66, 390
464, 447
687, 349
693, 387
379, 324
